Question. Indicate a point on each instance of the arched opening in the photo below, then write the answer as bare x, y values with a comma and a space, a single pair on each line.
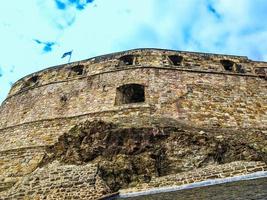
126, 60
228, 65
78, 69
176, 60
130, 93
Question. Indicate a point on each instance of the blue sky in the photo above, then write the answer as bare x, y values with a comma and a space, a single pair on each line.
35, 33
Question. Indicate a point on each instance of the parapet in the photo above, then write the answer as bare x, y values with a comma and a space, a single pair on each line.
156, 58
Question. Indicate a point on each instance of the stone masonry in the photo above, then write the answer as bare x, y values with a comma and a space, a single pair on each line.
134, 88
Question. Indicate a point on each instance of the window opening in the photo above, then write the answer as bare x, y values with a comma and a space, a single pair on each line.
78, 69
127, 60
228, 65
176, 60
130, 93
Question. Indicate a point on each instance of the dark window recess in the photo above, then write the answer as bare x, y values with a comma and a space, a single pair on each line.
127, 60
34, 79
63, 98
78, 69
130, 93
240, 69
228, 65
176, 60
261, 72
31, 81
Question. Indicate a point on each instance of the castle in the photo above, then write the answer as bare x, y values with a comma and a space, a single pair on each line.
221, 97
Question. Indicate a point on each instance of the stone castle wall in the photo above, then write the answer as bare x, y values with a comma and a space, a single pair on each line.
237, 168
181, 90
59, 182
193, 88
224, 101
82, 182
199, 79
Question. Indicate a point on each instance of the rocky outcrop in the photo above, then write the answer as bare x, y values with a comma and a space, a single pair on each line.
130, 155
95, 159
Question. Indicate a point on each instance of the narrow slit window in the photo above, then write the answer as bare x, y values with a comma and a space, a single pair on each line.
130, 93
176, 60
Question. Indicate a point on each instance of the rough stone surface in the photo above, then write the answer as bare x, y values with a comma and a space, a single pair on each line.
83, 130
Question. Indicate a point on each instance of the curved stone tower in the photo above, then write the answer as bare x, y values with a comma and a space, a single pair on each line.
213, 97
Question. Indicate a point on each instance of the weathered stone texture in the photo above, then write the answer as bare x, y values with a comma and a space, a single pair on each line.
16, 163
237, 95
208, 173
59, 182
221, 94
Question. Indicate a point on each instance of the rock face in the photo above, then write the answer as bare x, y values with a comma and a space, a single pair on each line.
131, 121
127, 156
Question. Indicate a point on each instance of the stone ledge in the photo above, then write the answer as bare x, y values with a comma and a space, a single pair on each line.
127, 107
209, 182
191, 179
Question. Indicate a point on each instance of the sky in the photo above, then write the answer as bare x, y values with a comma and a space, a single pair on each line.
34, 34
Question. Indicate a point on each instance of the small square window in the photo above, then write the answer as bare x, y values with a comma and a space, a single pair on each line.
130, 93
126, 60
176, 60
228, 65
78, 69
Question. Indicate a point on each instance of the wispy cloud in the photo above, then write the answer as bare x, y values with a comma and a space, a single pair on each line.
47, 46
12, 69
211, 9
60, 5
78, 4
62, 13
